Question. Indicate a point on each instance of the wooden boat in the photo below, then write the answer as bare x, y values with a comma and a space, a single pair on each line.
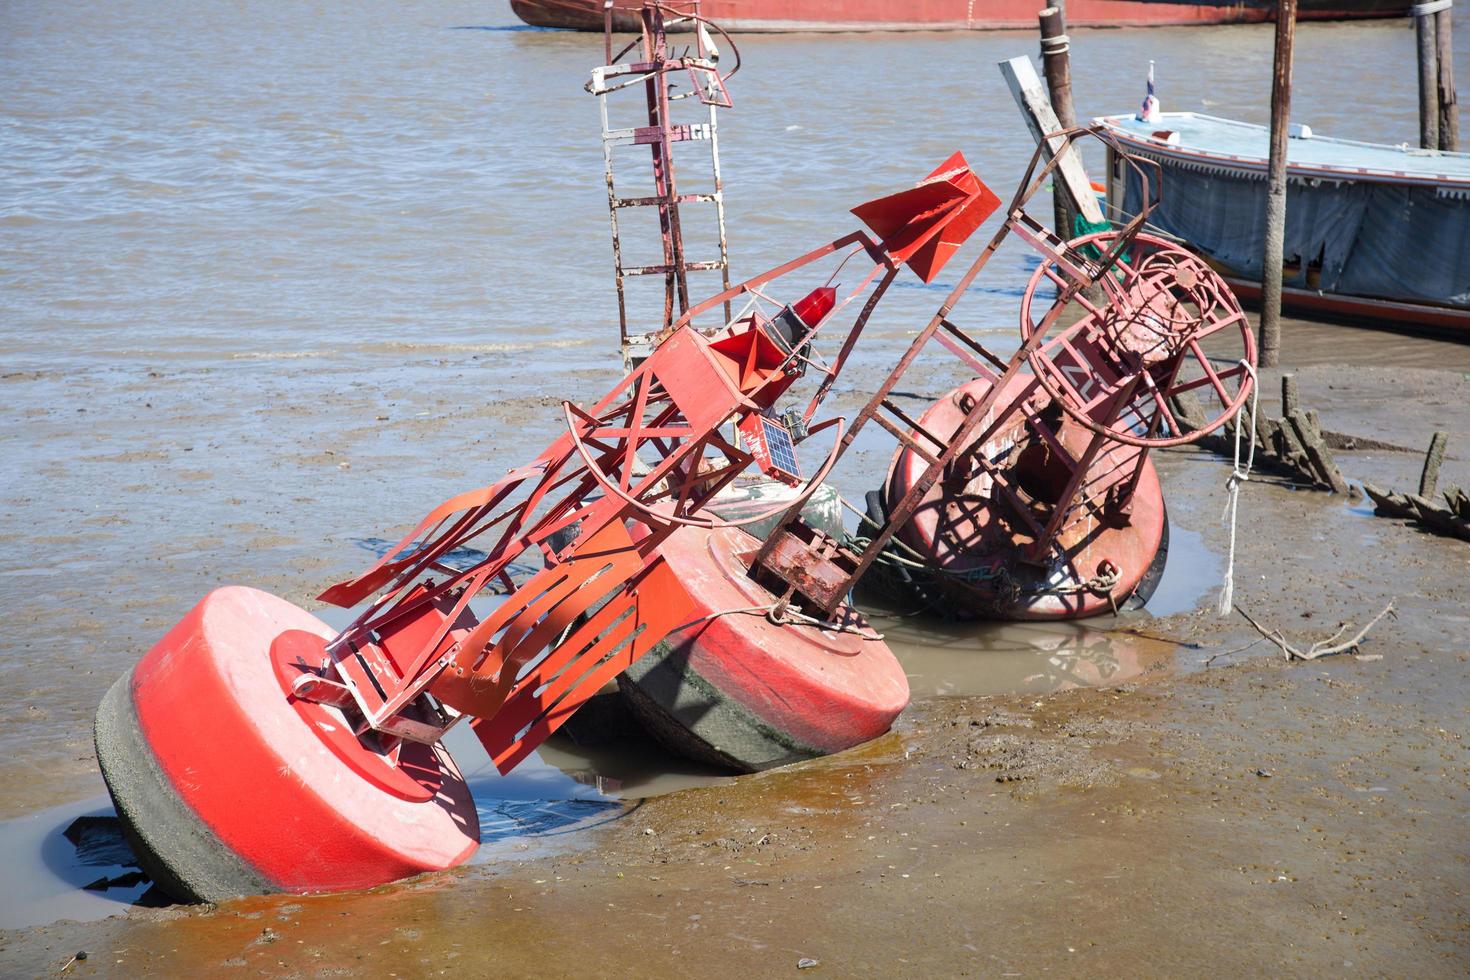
1373, 232
775, 16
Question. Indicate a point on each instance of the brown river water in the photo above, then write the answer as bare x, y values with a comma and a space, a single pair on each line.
276, 278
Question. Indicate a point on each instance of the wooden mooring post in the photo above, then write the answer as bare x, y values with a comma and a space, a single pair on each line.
1056, 64
1270, 333
1426, 27
1449, 102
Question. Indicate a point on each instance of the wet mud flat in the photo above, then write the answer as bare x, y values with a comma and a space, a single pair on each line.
1250, 814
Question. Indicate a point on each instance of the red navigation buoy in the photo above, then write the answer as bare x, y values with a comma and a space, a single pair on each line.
229, 785
740, 691
974, 538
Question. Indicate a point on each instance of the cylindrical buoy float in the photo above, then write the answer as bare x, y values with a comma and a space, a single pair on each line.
228, 785
741, 692
973, 539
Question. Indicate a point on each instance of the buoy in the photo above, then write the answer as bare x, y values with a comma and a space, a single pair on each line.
974, 538
737, 690
227, 785
254, 749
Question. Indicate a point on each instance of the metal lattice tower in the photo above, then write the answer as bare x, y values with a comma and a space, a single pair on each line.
653, 71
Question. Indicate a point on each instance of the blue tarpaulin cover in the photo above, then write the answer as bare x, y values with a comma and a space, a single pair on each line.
1381, 221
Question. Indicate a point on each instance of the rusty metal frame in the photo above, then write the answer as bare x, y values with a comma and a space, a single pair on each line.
415, 661
1086, 273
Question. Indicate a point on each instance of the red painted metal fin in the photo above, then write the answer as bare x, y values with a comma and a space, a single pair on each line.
529, 621
925, 225
354, 590
625, 628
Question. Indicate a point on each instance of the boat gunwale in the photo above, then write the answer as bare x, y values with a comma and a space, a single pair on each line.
1249, 165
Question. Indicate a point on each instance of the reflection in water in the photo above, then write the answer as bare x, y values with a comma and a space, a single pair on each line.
978, 658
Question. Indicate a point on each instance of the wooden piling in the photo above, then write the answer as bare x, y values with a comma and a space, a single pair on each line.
1264, 427
1056, 64
1270, 334
1310, 437
1289, 447
1429, 476
1291, 400
1036, 109
1425, 27
1449, 102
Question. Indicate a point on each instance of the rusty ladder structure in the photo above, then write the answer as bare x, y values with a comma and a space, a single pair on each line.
653, 70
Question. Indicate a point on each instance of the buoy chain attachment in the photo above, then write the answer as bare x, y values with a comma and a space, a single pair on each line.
785, 614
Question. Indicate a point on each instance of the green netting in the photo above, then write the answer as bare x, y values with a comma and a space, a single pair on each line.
1081, 226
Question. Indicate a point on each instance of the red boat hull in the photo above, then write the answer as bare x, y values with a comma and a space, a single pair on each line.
774, 16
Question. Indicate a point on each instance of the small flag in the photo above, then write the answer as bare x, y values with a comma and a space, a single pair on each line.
1149, 111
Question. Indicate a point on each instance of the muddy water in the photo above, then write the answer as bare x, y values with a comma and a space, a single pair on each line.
274, 280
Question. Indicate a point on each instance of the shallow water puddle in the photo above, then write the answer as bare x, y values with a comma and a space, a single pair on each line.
1191, 573
47, 875
983, 658
71, 861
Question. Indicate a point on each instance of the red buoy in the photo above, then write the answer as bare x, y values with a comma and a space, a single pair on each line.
740, 691
975, 538
229, 785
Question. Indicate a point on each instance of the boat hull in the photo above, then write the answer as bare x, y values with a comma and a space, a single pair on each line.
1351, 255
770, 16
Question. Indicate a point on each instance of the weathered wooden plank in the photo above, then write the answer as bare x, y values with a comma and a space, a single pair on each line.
1031, 97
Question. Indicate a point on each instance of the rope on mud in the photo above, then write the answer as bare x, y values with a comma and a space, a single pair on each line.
1232, 484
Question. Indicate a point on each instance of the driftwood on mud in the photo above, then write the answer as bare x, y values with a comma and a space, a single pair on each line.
1322, 648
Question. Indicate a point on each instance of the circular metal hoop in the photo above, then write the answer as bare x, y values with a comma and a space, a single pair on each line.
667, 517
1161, 302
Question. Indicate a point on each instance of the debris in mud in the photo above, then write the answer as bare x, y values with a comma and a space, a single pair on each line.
1293, 445
1048, 746
1451, 519
1000, 717
1322, 648
1013, 758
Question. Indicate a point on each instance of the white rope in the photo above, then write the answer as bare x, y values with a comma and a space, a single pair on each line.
1432, 7
1232, 484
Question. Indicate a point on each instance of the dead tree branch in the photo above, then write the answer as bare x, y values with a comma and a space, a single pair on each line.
1322, 648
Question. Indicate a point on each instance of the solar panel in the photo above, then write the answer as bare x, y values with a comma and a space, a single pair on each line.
778, 441
769, 441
